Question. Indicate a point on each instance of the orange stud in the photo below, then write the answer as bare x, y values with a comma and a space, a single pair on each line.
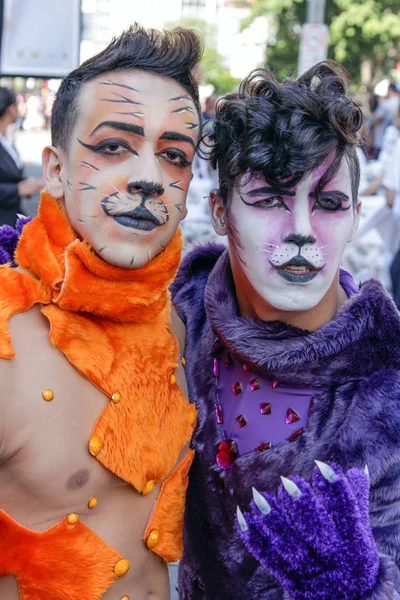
116, 397
72, 519
192, 417
183, 361
148, 487
125, 598
92, 502
47, 395
95, 445
153, 538
173, 379
122, 567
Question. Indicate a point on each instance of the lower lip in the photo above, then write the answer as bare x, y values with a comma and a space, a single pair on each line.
134, 223
297, 277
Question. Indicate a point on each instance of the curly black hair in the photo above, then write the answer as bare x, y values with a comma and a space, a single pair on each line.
286, 130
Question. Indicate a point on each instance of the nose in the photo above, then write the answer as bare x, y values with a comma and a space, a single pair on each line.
302, 225
147, 188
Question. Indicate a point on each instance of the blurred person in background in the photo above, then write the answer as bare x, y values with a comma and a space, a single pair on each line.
13, 184
391, 184
384, 115
95, 422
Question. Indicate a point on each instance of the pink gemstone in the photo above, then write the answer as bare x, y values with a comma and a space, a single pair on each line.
236, 388
219, 414
275, 384
246, 367
228, 453
291, 416
265, 408
296, 434
240, 421
216, 367
254, 384
227, 361
263, 447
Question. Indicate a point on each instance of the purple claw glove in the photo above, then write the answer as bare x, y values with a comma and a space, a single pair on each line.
316, 541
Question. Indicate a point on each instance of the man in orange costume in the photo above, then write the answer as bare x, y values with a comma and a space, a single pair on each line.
94, 423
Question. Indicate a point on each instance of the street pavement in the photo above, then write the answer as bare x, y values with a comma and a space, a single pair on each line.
30, 145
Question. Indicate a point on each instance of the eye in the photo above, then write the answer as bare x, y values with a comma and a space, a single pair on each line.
175, 157
329, 204
113, 148
266, 202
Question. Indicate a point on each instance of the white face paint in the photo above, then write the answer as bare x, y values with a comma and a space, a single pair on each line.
289, 242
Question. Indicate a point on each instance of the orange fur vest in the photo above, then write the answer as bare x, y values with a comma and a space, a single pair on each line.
108, 322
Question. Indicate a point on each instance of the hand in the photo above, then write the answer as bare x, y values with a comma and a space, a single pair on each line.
30, 185
317, 542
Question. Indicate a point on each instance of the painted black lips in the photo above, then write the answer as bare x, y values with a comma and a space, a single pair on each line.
297, 261
139, 218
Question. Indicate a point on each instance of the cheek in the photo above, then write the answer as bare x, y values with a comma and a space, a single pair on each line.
333, 231
257, 227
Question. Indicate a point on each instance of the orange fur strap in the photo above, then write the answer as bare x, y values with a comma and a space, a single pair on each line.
66, 562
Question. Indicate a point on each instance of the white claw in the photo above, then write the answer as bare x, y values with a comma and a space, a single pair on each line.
366, 470
242, 521
291, 487
261, 503
326, 471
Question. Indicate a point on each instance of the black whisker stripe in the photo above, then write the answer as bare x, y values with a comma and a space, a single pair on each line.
183, 109
174, 184
187, 97
139, 115
122, 85
88, 165
86, 187
192, 125
180, 207
124, 100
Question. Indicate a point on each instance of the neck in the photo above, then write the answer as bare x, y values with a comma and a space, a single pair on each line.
253, 306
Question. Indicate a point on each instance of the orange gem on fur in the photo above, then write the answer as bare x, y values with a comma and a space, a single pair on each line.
122, 567
47, 395
95, 446
72, 519
148, 487
153, 538
92, 502
183, 361
173, 379
116, 397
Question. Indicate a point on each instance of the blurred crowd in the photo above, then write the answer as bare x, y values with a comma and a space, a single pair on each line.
34, 110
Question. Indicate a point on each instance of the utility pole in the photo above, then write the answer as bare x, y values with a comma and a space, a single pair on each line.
314, 36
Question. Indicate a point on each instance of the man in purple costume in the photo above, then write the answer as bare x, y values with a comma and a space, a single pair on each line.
295, 488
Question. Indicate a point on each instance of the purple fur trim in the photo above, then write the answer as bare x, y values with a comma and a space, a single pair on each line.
9, 238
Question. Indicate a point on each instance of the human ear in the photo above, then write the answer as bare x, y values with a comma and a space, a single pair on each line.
218, 213
356, 222
52, 161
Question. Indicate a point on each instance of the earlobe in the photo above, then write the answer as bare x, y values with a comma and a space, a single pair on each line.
52, 171
218, 213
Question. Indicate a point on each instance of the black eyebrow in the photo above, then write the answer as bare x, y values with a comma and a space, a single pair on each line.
120, 126
179, 137
330, 194
270, 190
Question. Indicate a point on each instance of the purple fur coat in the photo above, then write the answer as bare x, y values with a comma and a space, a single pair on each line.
354, 362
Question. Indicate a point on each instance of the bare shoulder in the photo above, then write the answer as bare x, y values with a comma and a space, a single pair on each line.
179, 329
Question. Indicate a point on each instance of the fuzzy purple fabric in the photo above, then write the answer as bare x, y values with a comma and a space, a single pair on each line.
354, 362
9, 238
318, 541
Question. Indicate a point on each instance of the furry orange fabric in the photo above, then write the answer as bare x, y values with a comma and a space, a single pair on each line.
169, 510
113, 325
66, 562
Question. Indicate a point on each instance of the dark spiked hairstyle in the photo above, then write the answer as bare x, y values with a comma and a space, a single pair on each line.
286, 130
170, 53
7, 98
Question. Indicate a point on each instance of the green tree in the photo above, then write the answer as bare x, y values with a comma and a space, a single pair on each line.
213, 66
364, 35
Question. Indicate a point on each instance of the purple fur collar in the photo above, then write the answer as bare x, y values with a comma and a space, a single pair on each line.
9, 238
294, 356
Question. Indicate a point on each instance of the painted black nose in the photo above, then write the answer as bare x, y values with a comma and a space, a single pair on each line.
146, 188
299, 240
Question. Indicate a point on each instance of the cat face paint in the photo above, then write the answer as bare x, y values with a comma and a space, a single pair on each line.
289, 242
129, 166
